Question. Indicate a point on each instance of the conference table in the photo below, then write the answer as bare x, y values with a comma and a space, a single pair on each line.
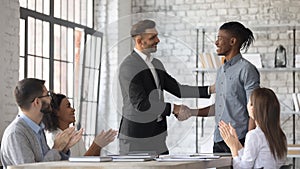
223, 162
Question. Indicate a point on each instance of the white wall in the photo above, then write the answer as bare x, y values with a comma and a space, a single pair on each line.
9, 60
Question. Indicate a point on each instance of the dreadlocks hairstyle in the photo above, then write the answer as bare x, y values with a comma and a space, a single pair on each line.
241, 33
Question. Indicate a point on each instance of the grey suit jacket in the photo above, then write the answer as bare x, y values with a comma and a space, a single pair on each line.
19, 145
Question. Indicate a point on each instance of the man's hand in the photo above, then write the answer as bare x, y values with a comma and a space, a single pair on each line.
105, 137
182, 112
212, 89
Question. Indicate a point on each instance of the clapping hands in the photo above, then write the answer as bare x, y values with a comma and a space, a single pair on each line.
67, 138
230, 137
105, 137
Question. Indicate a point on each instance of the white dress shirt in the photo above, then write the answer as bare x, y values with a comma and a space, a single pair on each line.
256, 153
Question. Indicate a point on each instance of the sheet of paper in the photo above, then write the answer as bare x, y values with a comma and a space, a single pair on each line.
90, 159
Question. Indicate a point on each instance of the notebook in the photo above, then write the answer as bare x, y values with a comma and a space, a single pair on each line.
134, 156
194, 157
90, 159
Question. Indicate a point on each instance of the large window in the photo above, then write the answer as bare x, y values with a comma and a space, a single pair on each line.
58, 44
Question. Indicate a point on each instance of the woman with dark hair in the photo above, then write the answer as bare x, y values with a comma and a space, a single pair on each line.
63, 115
266, 145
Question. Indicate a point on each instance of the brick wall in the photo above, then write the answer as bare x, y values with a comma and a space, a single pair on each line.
177, 21
9, 60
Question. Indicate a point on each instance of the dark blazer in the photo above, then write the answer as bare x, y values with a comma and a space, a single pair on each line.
143, 103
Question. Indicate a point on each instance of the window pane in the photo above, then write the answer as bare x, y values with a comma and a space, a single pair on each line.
56, 80
70, 79
77, 11
98, 52
90, 83
31, 36
95, 91
31, 4
46, 40
83, 119
85, 84
93, 51
57, 8
64, 9
39, 37
21, 68
46, 71
47, 7
71, 10
57, 42
39, 68
63, 78
70, 44
78, 54
22, 37
83, 13
90, 13
31, 66
23, 3
63, 43
88, 50
39, 6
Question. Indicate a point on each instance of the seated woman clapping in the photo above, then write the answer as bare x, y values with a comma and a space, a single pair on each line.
266, 145
60, 119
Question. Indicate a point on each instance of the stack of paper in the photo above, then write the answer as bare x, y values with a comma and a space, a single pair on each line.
195, 157
90, 159
134, 157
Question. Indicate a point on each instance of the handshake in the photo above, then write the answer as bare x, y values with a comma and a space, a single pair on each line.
182, 112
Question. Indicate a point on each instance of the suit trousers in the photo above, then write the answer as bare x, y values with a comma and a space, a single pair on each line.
152, 145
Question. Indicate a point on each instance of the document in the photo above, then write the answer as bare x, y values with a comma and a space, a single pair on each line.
133, 157
193, 157
90, 159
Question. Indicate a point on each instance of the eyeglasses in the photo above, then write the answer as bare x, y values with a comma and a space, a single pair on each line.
49, 94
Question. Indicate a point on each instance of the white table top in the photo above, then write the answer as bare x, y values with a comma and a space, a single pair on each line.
221, 162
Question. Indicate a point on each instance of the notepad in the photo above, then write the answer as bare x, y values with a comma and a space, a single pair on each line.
194, 157
90, 159
133, 157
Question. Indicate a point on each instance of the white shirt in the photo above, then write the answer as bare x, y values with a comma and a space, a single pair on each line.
256, 153
77, 150
148, 61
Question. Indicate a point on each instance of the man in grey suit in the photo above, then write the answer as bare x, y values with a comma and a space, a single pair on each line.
143, 79
24, 140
